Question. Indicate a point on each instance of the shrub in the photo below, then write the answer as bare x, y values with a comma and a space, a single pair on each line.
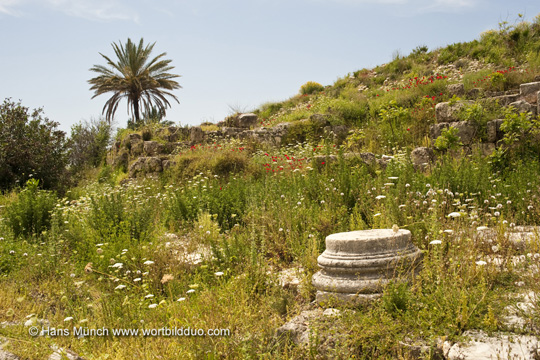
448, 140
30, 146
311, 87
88, 143
498, 81
31, 212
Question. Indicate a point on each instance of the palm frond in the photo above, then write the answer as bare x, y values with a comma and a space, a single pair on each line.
141, 81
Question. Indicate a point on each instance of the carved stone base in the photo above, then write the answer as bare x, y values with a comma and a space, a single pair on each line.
356, 265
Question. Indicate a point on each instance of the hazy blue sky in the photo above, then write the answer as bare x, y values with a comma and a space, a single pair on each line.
235, 53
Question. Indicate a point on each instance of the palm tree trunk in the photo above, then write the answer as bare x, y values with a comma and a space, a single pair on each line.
136, 110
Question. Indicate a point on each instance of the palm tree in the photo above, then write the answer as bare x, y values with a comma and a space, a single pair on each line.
141, 81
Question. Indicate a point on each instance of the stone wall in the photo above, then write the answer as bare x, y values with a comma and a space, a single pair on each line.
527, 99
152, 152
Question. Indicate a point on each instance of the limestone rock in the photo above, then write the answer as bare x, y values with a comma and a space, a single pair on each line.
61, 354
521, 314
247, 120
196, 135
368, 158
520, 237
126, 141
167, 164
435, 130
231, 131
422, 156
456, 89
494, 133
466, 131
483, 347
320, 120
4, 355
137, 146
505, 100
529, 91
288, 278
339, 132
145, 165
331, 312
523, 106
121, 159
444, 112
356, 265
153, 148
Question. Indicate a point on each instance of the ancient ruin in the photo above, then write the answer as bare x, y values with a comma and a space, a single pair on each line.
356, 265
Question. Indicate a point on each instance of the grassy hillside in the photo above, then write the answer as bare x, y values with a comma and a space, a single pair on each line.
205, 245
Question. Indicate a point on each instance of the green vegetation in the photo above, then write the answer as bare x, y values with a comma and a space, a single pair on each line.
311, 87
88, 144
204, 244
30, 146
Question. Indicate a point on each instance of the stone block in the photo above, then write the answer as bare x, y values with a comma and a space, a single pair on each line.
196, 135
137, 146
145, 165
466, 131
446, 112
247, 120
529, 88
231, 131
494, 132
421, 157
152, 148
435, 130
505, 100
497, 346
522, 106
456, 89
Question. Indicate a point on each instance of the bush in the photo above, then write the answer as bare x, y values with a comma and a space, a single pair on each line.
311, 87
88, 143
31, 213
448, 140
30, 146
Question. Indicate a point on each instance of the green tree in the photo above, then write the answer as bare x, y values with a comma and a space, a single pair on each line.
88, 143
30, 146
144, 83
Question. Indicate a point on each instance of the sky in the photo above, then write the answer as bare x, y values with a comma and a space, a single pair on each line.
231, 54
